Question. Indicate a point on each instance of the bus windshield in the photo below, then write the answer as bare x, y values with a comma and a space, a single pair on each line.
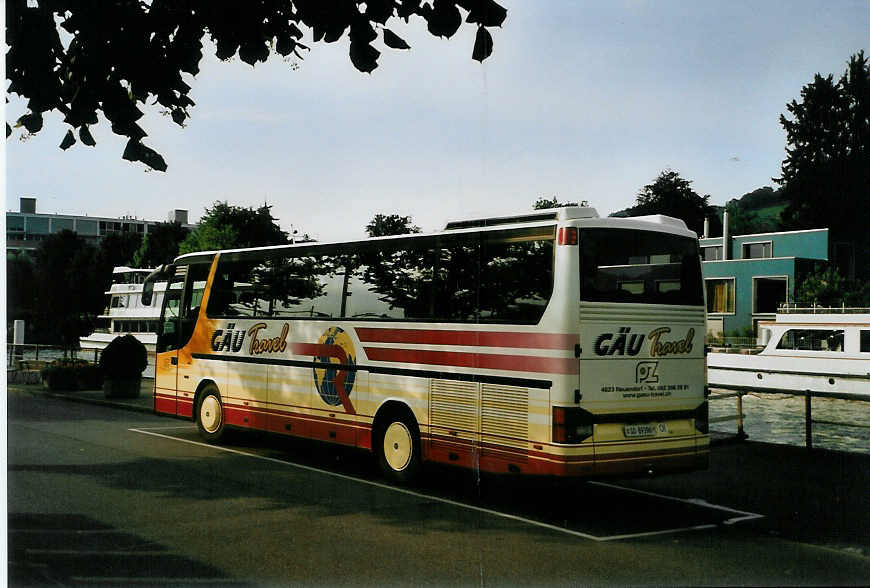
628, 265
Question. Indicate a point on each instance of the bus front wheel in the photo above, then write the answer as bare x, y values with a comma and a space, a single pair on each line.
210, 414
398, 448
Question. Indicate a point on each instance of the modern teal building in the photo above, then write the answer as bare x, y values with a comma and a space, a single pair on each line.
747, 277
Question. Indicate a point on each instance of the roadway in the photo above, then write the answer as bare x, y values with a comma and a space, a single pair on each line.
97, 494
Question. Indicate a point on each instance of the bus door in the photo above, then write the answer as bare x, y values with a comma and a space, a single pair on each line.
188, 373
174, 380
168, 337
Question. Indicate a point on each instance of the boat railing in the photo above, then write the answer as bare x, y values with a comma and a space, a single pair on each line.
733, 344
724, 392
815, 309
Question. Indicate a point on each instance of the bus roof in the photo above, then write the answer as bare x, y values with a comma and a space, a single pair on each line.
557, 214
538, 218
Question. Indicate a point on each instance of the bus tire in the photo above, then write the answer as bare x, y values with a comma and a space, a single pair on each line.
209, 414
397, 445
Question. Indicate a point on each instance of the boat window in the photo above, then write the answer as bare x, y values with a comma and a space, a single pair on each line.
812, 340
122, 301
865, 341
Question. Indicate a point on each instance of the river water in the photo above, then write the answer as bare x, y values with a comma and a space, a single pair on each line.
779, 418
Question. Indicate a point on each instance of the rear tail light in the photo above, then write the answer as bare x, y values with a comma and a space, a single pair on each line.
702, 418
568, 236
571, 424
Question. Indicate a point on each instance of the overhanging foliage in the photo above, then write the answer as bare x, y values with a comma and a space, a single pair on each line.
118, 57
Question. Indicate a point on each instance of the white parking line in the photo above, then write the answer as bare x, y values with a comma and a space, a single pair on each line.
153, 580
457, 504
745, 516
188, 426
97, 552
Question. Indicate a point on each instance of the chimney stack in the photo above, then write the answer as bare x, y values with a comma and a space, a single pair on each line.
178, 216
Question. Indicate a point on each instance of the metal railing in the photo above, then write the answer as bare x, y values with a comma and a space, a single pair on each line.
31, 355
733, 342
815, 309
808, 410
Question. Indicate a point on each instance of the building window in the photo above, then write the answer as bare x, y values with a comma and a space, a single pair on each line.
87, 227
711, 253
720, 295
758, 250
769, 294
865, 341
61, 224
14, 223
37, 225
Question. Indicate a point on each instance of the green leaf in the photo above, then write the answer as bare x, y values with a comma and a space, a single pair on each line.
68, 141
482, 45
136, 151
364, 57
254, 51
393, 41
285, 45
86, 137
487, 13
31, 121
444, 20
178, 115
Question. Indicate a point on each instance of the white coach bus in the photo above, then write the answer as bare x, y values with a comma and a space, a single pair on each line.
552, 343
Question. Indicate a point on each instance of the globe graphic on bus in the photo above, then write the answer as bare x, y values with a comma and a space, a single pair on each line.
324, 378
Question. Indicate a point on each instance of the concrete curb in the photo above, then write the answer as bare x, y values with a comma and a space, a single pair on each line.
97, 401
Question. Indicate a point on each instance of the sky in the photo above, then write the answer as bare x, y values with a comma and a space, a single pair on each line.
580, 100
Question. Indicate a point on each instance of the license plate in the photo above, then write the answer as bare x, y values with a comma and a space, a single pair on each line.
645, 430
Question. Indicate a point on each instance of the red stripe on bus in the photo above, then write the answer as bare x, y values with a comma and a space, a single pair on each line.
514, 363
468, 338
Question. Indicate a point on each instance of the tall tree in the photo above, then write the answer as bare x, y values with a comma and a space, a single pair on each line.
160, 244
69, 290
544, 203
826, 172
117, 249
672, 195
115, 57
225, 226
20, 289
382, 225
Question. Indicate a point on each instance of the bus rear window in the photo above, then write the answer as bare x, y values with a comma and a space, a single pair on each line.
648, 267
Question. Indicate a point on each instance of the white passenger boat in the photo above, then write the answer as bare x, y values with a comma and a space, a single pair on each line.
125, 313
823, 351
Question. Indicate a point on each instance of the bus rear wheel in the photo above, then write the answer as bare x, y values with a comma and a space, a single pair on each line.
210, 414
398, 449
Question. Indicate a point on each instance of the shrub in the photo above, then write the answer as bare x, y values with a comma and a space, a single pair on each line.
72, 374
58, 376
124, 358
